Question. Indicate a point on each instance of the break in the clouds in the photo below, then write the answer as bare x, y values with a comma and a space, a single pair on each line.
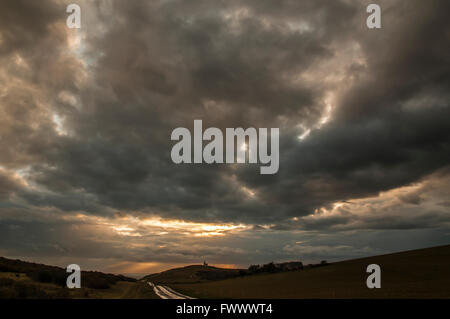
86, 118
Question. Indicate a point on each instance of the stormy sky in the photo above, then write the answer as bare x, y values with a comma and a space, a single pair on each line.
86, 117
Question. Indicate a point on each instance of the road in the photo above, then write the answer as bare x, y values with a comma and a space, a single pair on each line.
165, 292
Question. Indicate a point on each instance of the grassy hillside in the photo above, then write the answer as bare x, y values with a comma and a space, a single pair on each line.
423, 273
192, 274
19, 279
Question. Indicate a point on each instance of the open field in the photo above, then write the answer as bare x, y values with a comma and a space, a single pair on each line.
421, 273
192, 274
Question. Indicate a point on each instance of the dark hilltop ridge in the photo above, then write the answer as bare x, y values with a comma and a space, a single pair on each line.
57, 275
20, 280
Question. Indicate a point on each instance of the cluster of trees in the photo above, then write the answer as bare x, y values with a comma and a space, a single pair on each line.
270, 267
280, 267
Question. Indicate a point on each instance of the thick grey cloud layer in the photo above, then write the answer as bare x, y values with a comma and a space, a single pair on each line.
86, 115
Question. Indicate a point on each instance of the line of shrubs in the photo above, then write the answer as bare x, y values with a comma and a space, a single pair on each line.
280, 267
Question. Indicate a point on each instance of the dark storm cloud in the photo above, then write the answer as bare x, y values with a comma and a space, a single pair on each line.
22, 22
390, 129
86, 116
159, 66
8, 185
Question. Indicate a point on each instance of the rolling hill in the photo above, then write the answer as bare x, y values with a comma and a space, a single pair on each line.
423, 273
191, 274
22, 280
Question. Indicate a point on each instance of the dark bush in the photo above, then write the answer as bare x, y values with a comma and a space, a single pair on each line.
59, 278
95, 283
270, 267
254, 269
243, 272
42, 276
6, 282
